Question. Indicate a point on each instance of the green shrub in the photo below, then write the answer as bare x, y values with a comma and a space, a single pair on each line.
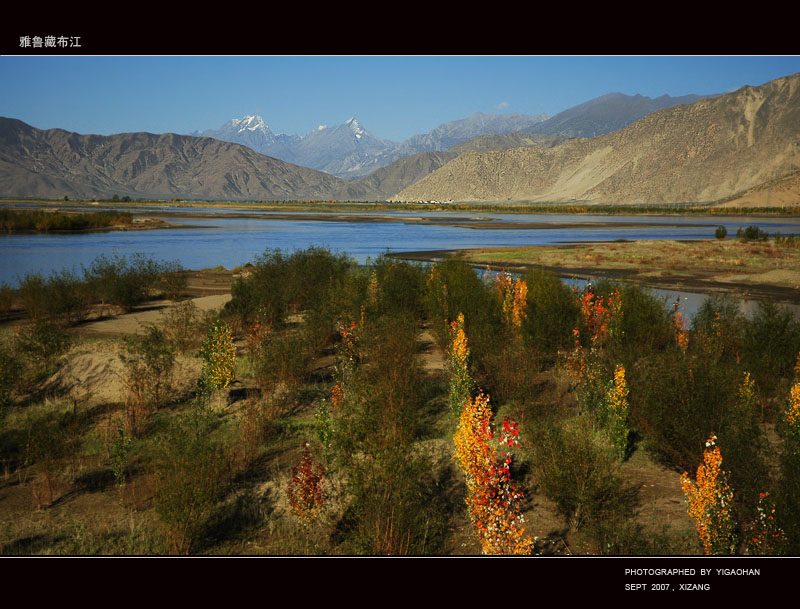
309, 275
182, 325
42, 343
279, 283
12, 220
7, 297
678, 400
62, 297
11, 370
751, 233
458, 289
149, 362
34, 295
191, 470
173, 280
348, 294
721, 232
394, 505
509, 370
70, 297
614, 534
576, 467
770, 344
718, 327
319, 325
261, 296
387, 388
399, 288
552, 313
787, 495
118, 455
644, 325
121, 281
284, 362
792, 241
46, 445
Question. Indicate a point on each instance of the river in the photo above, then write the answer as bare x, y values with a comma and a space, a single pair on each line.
233, 237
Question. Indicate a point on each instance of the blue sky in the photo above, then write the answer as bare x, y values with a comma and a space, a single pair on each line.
393, 97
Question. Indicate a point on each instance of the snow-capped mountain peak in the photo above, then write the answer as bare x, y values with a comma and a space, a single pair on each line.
355, 127
250, 123
348, 149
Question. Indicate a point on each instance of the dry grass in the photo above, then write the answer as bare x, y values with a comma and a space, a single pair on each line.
711, 260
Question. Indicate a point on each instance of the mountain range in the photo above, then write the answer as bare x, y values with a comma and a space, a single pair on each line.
609, 113
56, 163
689, 148
702, 152
350, 151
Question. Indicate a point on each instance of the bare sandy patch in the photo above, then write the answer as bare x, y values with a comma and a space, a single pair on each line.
775, 277
431, 355
150, 314
94, 373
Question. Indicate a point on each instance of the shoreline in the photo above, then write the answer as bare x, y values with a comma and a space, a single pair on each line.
718, 209
139, 224
699, 282
472, 223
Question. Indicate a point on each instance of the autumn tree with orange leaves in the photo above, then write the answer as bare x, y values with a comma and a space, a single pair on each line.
616, 406
601, 320
513, 295
710, 503
493, 498
461, 383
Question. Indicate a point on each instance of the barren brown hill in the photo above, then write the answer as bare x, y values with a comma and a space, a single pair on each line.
53, 163
777, 193
710, 150
387, 181
515, 139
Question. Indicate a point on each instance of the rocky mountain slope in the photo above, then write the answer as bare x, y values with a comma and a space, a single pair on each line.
608, 113
515, 139
55, 163
775, 193
405, 171
253, 132
705, 151
347, 150
351, 152
448, 135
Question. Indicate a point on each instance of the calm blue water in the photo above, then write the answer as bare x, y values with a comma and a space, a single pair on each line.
231, 242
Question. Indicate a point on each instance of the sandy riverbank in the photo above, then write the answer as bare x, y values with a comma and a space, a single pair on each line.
729, 266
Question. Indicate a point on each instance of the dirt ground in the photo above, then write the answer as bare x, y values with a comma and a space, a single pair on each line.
148, 314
